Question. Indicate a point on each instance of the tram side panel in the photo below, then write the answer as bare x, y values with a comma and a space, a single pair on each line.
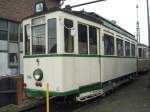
113, 68
143, 65
80, 71
143, 60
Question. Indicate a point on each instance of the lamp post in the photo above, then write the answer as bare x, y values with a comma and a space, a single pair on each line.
148, 22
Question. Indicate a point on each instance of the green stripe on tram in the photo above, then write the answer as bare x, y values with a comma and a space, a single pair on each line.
75, 55
82, 89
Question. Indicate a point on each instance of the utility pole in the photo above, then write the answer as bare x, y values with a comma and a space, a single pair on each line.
148, 22
137, 26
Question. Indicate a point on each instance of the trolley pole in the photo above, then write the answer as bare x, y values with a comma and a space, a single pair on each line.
148, 22
95, 1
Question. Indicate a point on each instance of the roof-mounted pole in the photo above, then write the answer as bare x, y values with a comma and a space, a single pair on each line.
86, 3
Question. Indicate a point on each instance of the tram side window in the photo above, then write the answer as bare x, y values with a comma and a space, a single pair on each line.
27, 39
82, 36
127, 48
93, 40
120, 48
52, 36
108, 45
38, 36
144, 52
147, 53
69, 40
140, 52
133, 49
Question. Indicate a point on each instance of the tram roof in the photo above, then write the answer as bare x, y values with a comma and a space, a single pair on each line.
92, 16
141, 44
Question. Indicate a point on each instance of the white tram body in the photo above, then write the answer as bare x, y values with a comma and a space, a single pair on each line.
83, 54
143, 58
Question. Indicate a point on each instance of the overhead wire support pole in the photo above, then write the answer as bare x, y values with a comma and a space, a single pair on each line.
86, 3
138, 26
148, 22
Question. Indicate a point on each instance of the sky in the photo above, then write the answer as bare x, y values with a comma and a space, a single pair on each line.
122, 11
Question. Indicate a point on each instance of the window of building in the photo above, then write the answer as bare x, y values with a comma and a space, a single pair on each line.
82, 38
13, 59
140, 52
68, 38
3, 35
27, 39
52, 36
3, 30
13, 49
93, 40
120, 48
38, 36
108, 44
133, 49
13, 54
127, 48
13, 32
21, 33
3, 25
3, 45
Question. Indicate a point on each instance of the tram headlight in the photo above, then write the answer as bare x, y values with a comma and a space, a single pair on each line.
38, 74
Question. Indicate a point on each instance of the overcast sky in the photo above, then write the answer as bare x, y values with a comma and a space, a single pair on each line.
122, 11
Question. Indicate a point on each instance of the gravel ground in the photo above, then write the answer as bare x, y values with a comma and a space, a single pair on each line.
131, 97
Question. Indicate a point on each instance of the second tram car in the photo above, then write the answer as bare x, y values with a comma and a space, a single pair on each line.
143, 63
77, 53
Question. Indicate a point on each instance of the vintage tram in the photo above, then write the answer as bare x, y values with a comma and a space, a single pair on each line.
77, 53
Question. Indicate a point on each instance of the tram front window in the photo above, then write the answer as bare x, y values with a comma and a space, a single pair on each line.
38, 36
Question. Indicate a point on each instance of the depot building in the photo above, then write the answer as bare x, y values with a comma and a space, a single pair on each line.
11, 43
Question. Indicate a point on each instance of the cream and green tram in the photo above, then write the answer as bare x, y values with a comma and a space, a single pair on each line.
77, 53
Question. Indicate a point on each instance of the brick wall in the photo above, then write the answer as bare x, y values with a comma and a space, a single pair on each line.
16, 10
